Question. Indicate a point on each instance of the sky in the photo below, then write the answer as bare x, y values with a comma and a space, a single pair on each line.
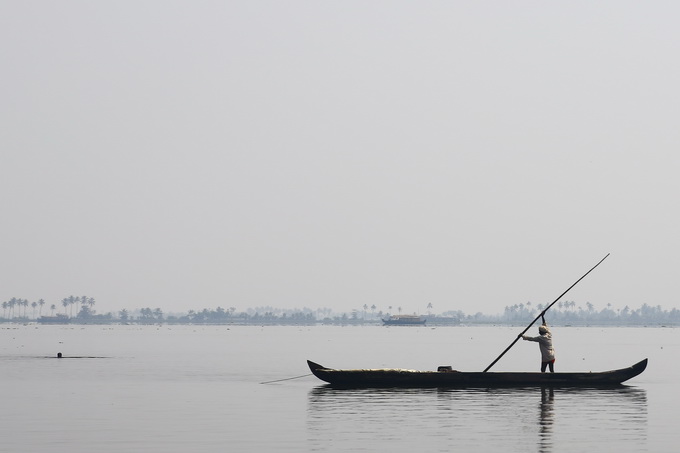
469, 155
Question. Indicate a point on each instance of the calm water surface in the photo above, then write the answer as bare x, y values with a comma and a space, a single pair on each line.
189, 388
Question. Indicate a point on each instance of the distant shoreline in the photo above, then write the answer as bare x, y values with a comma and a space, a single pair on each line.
5, 323
564, 314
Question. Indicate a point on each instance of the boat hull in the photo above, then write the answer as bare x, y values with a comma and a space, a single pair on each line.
460, 379
389, 322
59, 319
404, 320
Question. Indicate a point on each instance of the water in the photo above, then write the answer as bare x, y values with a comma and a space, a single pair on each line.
199, 388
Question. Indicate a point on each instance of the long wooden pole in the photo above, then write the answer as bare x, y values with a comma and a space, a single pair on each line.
541, 315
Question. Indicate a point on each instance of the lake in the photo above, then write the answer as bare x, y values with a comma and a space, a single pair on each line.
209, 389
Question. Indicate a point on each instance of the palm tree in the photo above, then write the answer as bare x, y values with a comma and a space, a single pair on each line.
146, 314
4, 309
53, 307
72, 301
65, 303
41, 302
34, 305
12, 302
24, 303
429, 307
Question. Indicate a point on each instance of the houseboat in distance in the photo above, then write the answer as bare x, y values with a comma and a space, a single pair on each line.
404, 320
58, 319
433, 320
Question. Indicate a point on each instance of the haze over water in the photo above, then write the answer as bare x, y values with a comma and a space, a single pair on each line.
189, 155
199, 388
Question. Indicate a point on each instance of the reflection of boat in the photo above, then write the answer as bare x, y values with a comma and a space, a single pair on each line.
58, 319
542, 418
404, 320
445, 377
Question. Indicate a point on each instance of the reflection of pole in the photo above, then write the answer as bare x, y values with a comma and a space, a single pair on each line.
541, 315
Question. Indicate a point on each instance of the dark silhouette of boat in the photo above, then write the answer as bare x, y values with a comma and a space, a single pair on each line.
404, 320
58, 319
441, 320
445, 377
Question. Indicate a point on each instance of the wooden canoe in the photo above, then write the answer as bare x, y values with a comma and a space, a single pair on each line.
367, 378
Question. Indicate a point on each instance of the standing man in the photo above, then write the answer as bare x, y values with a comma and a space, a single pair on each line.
544, 340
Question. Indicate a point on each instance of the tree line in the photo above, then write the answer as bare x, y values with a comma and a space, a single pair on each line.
16, 308
80, 309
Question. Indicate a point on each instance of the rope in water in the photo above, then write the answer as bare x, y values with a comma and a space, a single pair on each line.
286, 379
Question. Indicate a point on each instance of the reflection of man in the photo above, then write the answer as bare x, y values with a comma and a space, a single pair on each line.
544, 340
546, 420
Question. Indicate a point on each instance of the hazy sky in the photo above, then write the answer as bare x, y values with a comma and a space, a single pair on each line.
472, 155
